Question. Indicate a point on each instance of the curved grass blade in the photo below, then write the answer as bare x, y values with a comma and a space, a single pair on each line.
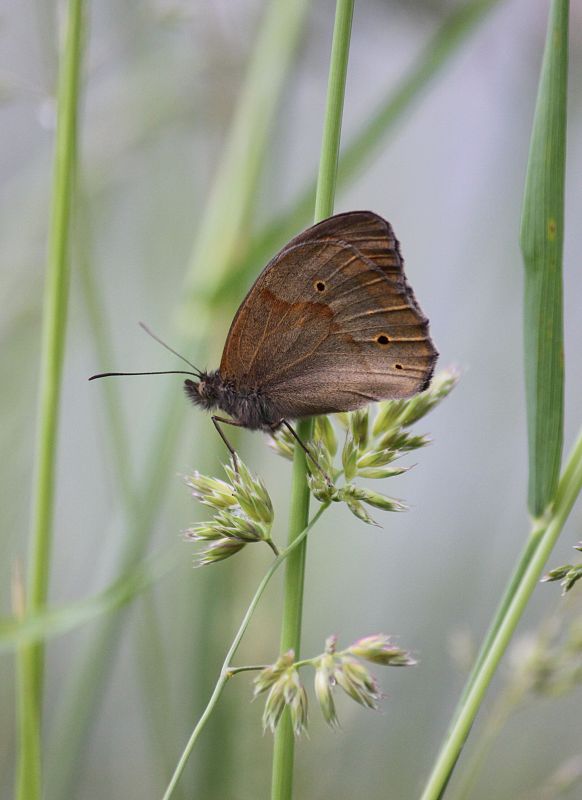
51, 622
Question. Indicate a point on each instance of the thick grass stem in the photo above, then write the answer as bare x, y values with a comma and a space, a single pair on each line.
284, 745
569, 488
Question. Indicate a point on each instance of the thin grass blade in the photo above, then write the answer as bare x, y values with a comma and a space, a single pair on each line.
51, 622
55, 302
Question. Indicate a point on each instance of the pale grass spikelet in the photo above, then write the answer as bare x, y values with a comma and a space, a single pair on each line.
243, 513
218, 550
325, 432
381, 472
370, 447
274, 707
250, 493
548, 662
343, 669
358, 509
343, 419
377, 458
399, 441
271, 674
297, 702
354, 496
283, 443
359, 424
357, 682
419, 405
387, 416
376, 499
323, 683
211, 492
350, 457
556, 574
379, 649
394, 414
281, 680
567, 574
571, 578
323, 457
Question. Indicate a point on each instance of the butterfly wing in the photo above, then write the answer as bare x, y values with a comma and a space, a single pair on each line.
331, 323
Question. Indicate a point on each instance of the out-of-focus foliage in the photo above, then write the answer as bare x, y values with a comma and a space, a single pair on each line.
160, 87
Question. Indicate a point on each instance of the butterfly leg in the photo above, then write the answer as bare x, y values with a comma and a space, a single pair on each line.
306, 450
216, 422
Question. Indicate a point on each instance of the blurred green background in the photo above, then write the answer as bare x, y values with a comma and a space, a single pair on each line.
162, 82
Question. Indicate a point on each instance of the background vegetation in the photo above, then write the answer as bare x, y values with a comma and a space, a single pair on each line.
200, 128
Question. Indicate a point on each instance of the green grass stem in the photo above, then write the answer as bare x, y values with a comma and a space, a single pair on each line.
31, 658
569, 488
284, 740
523, 562
284, 744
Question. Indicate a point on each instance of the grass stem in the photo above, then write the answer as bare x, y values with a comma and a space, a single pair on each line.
569, 488
284, 744
31, 657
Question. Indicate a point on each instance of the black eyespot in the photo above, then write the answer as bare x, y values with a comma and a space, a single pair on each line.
397, 366
320, 286
382, 339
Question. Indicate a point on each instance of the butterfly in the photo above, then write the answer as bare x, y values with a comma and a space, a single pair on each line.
331, 324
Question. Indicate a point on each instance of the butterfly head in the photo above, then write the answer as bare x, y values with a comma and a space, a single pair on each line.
205, 392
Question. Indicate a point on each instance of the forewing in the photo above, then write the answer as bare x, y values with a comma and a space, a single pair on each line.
331, 323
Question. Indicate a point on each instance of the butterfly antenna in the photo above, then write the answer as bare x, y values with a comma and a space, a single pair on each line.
167, 346
165, 372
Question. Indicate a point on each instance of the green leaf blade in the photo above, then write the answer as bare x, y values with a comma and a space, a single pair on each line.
542, 241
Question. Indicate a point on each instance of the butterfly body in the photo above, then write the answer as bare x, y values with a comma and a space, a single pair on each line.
331, 324
250, 409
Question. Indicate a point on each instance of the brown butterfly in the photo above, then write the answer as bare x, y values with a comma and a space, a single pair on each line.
330, 324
